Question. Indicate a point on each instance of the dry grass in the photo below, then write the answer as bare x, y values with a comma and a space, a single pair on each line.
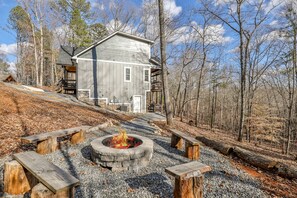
23, 114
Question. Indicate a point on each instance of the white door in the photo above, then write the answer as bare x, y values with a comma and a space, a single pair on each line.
137, 104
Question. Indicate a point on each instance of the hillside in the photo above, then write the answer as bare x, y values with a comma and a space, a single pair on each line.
24, 113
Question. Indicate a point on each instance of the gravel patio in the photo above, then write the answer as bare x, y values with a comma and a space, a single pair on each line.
225, 180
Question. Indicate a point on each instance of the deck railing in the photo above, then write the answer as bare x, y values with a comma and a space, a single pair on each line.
156, 85
69, 84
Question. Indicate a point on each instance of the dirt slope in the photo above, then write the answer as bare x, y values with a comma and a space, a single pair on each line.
23, 114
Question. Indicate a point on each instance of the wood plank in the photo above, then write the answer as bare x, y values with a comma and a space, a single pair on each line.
46, 172
59, 133
190, 139
187, 170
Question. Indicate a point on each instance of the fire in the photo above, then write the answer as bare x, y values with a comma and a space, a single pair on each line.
121, 140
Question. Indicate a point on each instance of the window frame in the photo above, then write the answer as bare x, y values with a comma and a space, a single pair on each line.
125, 72
149, 78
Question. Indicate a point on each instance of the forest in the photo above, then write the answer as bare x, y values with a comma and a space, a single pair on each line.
232, 64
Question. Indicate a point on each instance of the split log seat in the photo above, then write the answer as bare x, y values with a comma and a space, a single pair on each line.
188, 179
53, 180
47, 142
191, 144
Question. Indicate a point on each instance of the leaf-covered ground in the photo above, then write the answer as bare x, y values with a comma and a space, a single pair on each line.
23, 113
274, 185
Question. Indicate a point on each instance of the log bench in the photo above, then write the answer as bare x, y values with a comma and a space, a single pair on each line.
47, 142
188, 179
191, 144
50, 179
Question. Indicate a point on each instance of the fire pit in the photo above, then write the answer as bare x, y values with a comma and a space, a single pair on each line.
122, 152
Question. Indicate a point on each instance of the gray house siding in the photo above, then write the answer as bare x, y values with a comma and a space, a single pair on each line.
100, 71
121, 49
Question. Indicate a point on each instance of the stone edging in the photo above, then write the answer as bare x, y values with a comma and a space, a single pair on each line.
122, 159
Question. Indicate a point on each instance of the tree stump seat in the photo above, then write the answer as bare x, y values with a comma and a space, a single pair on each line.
43, 177
191, 144
47, 142
188, 179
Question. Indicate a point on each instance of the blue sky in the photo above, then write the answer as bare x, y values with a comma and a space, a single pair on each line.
7, 38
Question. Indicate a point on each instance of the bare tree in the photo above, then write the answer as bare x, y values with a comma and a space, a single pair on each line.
244, 18
168, 110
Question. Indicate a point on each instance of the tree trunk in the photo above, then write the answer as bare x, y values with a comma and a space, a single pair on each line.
15, 180
255, 159
35, 54
168, 110
226, 149
199, 89
41, 55
242, 75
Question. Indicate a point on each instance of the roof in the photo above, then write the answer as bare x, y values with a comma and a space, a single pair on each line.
155, 60
6, 78
108, 37
66, 53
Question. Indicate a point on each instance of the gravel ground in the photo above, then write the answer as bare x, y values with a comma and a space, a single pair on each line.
224, 180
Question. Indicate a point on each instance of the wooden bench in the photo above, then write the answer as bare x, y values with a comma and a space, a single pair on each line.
191, 144
188, 179
53, 180
47, 142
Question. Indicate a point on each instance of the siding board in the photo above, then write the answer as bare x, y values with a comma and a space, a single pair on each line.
109, 76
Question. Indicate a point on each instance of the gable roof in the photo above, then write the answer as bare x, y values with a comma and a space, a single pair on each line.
7, 78
108, 37
66, 53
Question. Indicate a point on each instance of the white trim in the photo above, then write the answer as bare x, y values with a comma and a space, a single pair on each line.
149, 79
140, 103
108, 37
119, 62
145, 97
106, 99
125, 80
117, 103
85, 90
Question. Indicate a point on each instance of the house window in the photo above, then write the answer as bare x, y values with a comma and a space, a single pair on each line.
146, 75
127, 74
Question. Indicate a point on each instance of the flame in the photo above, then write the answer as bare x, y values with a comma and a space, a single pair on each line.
121, 140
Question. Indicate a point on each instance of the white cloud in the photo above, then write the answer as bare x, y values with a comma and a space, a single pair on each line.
12, 67
8, 49
222, 2
273, 23
61, 35
115, 25
272, 4
214, 34
171, 9
97, 5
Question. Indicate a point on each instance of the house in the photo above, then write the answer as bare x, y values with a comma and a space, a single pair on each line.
117, 70
7, 78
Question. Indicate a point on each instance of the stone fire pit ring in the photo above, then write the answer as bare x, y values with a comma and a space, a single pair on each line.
122, 159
